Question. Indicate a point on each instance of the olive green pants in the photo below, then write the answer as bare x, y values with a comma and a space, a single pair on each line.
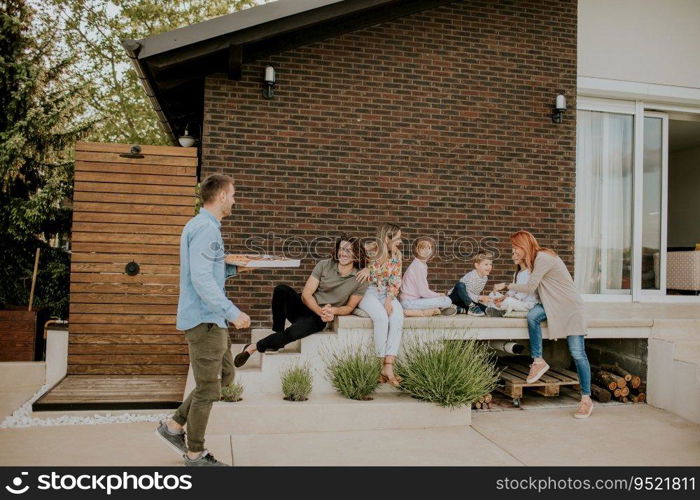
212, 367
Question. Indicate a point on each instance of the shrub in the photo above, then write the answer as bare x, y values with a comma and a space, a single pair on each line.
447, 372
297, 383
232, 393
353, 371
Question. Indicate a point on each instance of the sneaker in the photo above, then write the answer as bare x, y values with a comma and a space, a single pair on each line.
536, 371
584, 410
450, 310
206, 459
492, 312
475, 311
241, 357
461, 310
175, 441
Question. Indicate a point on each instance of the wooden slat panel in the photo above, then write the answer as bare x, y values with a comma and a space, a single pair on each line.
124, 319
130, 208
129, 288
17, 314
110, 187
124, 308
119, 268
123, 329
114, 248
121, 298
180, 369
99, 339
174, 220
130, 178
115, 147
18, 326
151, 159
136, 170
102, 227
122, 259
152, 199
127, 349
156, 279
128, 359
148, 239
109, 389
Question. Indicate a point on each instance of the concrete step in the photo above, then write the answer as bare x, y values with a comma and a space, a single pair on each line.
270, 414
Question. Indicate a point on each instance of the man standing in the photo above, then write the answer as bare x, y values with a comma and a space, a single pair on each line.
203, 313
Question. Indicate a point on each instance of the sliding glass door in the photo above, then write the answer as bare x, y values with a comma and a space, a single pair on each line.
621, 178
604, 178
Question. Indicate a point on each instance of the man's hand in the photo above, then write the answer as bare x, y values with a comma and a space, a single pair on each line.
242, 321
327, 313
362, 276
237, 260
499, 287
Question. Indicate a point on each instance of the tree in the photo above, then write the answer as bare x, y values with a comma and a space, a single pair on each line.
93, 29
42, 117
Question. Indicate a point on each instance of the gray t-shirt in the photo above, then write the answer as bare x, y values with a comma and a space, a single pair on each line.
333, 288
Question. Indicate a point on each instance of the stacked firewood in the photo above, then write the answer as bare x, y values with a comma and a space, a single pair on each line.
484, 402
613, 381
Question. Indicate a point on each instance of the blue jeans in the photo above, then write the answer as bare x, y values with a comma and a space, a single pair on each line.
576, 344
460, 297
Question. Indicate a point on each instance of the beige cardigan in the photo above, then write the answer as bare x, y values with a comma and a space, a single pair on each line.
562, 302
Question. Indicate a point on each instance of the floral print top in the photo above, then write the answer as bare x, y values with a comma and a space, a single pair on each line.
387, 276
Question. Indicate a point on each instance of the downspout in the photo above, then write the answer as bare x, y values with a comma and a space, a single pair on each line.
132, 48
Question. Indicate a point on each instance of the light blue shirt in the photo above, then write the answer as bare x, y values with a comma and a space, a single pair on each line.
203, 273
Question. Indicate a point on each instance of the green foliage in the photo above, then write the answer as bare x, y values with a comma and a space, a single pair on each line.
297, 383
353, 370
42, 118
93, 30
446, 372
232, 392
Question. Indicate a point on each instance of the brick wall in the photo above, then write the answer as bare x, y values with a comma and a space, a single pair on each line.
439, 121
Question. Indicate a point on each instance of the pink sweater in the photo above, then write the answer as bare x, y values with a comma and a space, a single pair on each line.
414, 284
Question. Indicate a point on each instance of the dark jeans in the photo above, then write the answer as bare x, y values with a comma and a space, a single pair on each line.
287, 305
460, 297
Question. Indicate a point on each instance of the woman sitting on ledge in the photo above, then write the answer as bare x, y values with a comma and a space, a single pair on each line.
562, 308
331, 290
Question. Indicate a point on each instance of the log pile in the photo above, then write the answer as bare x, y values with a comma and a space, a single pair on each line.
613, 381
484, 402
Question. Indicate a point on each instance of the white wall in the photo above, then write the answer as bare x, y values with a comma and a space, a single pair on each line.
649, 41
683, 199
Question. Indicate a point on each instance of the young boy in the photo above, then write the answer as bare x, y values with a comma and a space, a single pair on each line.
467, 294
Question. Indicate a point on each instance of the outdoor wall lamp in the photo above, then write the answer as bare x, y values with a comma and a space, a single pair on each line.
559, 108
269, 84
186, 140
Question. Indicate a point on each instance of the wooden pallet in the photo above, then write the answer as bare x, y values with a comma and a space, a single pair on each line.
514, 378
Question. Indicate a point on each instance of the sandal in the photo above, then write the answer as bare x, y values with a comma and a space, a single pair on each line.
394, 381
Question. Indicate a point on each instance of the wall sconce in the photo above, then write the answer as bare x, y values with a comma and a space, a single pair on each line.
559, 108
269, 84
186, 140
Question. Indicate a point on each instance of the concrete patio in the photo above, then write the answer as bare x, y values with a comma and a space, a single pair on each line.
614, 436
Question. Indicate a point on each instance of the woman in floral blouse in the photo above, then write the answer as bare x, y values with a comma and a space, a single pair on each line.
380, 300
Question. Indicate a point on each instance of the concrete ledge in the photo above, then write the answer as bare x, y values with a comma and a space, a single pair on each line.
15, 374
270, 414
501, 328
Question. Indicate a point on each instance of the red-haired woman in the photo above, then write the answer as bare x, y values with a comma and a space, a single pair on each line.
562, 307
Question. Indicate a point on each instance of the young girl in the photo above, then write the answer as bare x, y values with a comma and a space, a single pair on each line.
416, 297
380, 301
